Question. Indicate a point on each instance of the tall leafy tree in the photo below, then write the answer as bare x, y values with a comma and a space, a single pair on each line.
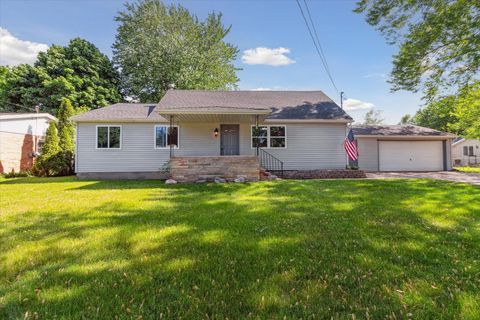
49, 162
373, 117
467, 110
66, 134
407, 119
78, 71
459, 113
439, 42
159, 45
438, 114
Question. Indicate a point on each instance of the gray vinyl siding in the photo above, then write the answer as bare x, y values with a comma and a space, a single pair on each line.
309, 146
312, 146
368, 154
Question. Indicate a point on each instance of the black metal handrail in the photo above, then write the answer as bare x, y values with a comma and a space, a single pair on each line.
270, 163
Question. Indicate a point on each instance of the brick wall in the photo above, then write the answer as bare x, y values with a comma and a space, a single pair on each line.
191, 169
323, 174
16, 151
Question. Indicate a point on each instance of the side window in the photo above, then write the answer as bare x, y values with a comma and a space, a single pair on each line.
470, 151
465, 151
269, 136
277, 137
259, 135
164, 136
109, 137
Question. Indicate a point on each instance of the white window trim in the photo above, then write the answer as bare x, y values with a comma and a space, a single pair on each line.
268, 136
108, 136
155, 136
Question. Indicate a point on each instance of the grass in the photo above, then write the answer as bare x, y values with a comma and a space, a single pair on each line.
363, 249
468, 169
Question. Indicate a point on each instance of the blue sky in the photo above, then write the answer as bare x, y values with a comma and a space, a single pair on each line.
358, 56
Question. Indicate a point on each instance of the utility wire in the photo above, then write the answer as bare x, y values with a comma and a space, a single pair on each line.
317, 37
317, 46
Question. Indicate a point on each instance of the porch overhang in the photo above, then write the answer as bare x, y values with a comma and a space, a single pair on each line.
215, 114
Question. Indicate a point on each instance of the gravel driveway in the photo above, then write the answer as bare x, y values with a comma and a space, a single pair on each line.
456, 176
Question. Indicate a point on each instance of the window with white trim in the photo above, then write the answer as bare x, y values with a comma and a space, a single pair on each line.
109, 137
165, 137
269, 136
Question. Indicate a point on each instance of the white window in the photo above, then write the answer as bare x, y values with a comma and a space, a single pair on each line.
165, 137
269, 136
109, 137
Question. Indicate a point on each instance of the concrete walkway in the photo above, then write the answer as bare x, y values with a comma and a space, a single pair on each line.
456, 176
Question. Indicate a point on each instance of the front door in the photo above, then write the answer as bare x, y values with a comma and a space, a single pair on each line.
229, 140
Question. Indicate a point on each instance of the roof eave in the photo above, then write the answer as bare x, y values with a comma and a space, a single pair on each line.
309, 120
432, 137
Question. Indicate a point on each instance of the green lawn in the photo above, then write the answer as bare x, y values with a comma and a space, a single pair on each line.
290, 249
468, 169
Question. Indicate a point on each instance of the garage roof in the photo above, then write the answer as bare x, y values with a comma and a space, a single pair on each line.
398, 130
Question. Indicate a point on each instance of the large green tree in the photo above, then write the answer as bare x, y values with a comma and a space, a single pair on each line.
458, 113
50, 162
159, 45
439, 42
78, 71
66, 134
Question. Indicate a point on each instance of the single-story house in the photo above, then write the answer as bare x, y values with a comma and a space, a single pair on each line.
194, 135
465, 152
214, 131
403, 148
21, 139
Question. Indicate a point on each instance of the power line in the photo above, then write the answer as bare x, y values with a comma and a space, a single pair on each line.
318, 46
317, 37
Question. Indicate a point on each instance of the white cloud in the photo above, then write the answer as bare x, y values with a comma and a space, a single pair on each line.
355, 104
14, 51
268, 56
261, 89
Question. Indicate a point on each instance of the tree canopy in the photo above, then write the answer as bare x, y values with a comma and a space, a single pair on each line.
158, 45
459, 113
373, 117
439, 42
78, 71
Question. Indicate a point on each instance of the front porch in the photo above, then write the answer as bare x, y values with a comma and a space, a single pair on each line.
207, 168
219, 143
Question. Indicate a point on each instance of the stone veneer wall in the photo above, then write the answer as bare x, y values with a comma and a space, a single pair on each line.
191, 169
323, 174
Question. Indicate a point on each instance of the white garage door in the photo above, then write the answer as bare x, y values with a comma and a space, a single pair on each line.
410, 155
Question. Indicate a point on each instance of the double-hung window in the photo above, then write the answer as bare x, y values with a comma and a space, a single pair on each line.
269, 136
470, 151
109, 137
166, 136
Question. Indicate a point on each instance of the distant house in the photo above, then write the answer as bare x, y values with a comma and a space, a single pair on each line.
465, 152
21, 139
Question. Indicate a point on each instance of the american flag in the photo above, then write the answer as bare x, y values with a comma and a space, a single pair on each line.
351, 146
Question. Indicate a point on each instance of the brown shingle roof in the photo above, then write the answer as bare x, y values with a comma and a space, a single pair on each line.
295, 105
122, 112
397, 130
283, 104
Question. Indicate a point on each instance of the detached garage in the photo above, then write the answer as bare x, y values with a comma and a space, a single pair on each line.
403, 148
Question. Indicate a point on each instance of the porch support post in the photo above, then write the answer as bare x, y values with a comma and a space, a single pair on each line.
256, 128
170, 131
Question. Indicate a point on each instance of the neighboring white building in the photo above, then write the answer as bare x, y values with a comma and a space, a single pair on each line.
21, 137
465, 152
